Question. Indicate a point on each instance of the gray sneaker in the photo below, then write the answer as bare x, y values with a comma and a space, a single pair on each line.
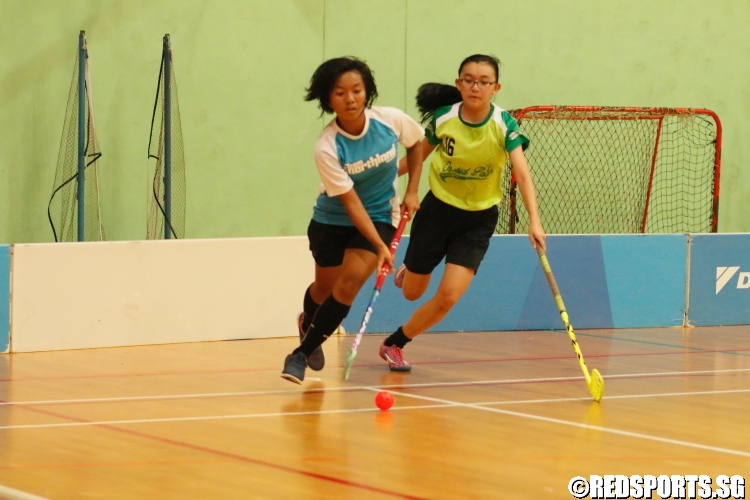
317, 359
294, 367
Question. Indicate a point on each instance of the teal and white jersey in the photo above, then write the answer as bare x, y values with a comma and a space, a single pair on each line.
367, 162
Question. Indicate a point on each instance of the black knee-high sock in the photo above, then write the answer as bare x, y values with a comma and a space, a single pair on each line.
310, 307
329, 316
397, 338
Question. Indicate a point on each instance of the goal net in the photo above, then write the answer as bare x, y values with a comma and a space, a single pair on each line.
618, 170
166, 158
74, 208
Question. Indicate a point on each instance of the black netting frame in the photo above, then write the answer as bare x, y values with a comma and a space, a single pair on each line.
167, 202
62, 208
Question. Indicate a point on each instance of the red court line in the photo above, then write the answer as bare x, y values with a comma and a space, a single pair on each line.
685, 350
133, 464
560, 356
111, 464
233, 456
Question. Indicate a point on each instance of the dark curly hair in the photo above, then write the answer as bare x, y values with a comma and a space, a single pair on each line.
325, 77
432, 96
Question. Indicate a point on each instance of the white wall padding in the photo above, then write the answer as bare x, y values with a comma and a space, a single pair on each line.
82, 295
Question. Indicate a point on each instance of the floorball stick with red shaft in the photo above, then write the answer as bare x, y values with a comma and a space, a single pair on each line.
378, 285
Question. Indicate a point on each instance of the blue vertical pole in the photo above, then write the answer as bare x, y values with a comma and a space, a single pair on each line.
81, 133
167, 56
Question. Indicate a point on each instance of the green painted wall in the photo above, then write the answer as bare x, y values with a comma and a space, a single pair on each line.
242, 67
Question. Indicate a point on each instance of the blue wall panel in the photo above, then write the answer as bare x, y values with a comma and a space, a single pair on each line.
493, 301
578, 265
4, 298
613, 281
719, 279
646, 277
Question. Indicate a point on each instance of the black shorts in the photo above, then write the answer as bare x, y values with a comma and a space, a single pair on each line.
442, 230
328, 242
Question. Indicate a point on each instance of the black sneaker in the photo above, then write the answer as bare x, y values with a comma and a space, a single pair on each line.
294, 367
317, 359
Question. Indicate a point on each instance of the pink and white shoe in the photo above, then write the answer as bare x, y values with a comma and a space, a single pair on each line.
398, 278
394, 356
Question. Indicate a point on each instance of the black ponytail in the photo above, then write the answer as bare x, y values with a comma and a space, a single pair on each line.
432, 96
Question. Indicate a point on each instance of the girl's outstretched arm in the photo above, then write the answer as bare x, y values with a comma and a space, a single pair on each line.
414, 159
520, 168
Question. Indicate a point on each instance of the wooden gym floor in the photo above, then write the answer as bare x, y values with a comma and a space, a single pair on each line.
483, 415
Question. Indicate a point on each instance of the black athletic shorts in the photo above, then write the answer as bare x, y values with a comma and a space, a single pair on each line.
328, 242
442, 230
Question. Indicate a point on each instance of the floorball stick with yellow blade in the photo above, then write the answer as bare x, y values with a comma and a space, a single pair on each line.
594, 380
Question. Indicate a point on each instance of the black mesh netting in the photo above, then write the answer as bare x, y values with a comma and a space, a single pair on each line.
607, 170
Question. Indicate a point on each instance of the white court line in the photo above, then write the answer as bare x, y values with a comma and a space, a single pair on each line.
574, 424
442, 404
626, 396
357, 388
439, 403
11, 494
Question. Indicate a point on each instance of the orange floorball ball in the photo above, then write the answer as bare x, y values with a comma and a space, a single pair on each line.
384, 400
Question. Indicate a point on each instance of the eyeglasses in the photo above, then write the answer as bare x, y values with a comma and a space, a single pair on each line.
470, 83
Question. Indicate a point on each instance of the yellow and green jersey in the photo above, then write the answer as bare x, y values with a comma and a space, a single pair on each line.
468, 163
